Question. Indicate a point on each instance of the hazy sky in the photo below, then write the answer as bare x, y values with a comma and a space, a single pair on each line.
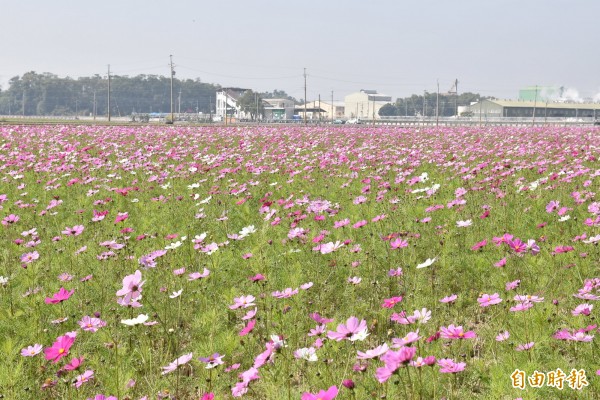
397, 47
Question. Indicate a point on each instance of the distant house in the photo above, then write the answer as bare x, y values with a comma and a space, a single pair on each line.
227, 102
524, 109
278, 109
365, 104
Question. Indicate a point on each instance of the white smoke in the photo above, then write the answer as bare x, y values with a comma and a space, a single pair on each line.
571, 95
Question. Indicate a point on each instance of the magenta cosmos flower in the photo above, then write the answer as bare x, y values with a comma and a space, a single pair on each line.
352, 330
60, 348
391, 302
328, 394
60, 296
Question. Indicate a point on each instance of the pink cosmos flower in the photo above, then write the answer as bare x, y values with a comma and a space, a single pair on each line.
212, 361
328, 394
398, 243
512, 285
197, 275
121, 217
449, 299
60, 296
449, 366
391, 302
60, 348
582, 309
342, 223
393, 361
28, 258
376, 352
91, 324
456, 332
528, 298
421, 362
74, 364
526, 305
132, 287
487, 300
10, 219
479, 245
352, 330
395, 272
74, 231
83, 378
410, 337
248, 328
524, 347
286, 293
31, 351
502, 336
507, 237
184, 359
243, 301
359, 224
320, 319
257, 278
517, 246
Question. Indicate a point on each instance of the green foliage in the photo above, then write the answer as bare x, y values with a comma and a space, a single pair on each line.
48, 94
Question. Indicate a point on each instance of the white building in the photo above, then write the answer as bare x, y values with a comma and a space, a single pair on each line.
228, 99
365, 104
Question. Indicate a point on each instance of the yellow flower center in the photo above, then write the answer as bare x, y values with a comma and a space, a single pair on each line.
60, 351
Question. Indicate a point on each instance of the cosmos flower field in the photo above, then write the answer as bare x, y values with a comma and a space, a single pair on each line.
299, 262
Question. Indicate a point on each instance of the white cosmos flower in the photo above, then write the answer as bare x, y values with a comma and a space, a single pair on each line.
565, 218
206, 200
308, 354
173, 246
176, 294
464, 224
247, 230
140, 319
427, 263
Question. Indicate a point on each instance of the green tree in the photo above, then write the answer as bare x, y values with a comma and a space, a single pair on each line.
388, 110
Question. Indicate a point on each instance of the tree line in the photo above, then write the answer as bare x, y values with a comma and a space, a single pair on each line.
426, 104
47, 94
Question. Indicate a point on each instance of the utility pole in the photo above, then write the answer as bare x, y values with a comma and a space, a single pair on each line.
437, 105
108, 93
534, 105
304, 96
179, 104
456, 98
319, 108
332, 107
172, 73
424, 103
373, 110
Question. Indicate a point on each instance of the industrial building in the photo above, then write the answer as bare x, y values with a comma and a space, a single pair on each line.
365, 104
525, 109
321, 110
